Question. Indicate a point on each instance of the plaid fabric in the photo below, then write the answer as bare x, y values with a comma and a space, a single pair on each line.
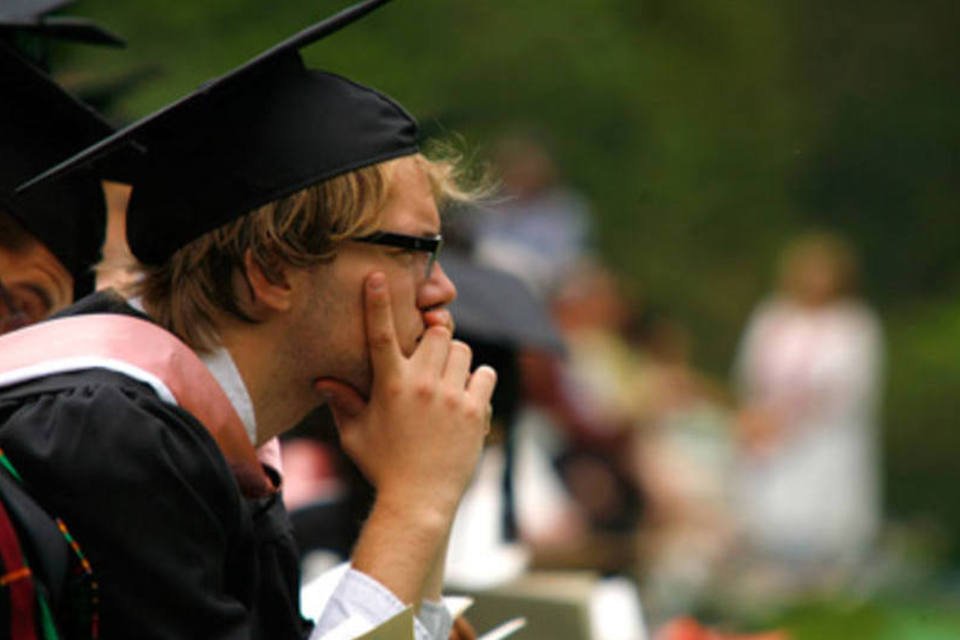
28, 600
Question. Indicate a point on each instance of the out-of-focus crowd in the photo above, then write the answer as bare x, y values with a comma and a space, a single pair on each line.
611, 451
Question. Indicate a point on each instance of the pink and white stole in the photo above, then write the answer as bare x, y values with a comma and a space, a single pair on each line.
143, 351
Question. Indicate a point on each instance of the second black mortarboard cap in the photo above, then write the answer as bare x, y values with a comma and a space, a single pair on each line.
22, 17
261, 132
40, 123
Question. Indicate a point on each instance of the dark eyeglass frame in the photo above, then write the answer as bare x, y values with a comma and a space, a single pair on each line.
17, 317
425, 244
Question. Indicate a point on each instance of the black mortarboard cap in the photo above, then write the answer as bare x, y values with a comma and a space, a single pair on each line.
39, 124
31, 17
259, 133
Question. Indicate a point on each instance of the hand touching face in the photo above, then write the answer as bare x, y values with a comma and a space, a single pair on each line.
419, 436
334, 328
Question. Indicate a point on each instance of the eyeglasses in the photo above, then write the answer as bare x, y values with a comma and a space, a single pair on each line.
429, 245
12, 316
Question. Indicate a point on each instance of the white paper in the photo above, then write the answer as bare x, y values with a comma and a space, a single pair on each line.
504, 630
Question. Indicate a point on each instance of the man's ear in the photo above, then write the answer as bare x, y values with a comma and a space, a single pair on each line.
268, 291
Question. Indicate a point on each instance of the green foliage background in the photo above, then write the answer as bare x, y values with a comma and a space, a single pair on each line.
705, 133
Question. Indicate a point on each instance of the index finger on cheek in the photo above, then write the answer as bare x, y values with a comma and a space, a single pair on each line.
381, 335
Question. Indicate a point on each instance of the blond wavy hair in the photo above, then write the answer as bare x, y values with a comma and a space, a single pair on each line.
198, 284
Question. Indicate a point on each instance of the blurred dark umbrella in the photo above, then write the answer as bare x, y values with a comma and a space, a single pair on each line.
497, 307
498, 315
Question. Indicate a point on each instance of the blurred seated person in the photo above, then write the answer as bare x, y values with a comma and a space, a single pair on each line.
684, 460
591, 399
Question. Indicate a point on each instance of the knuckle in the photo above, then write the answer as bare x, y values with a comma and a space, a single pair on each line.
380, 339
424, 389
439, 333
475, 411
393, 388
462, 348
452, 398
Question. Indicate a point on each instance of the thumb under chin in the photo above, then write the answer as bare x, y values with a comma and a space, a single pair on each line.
344, 400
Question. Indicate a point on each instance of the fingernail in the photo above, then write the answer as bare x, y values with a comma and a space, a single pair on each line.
376, 281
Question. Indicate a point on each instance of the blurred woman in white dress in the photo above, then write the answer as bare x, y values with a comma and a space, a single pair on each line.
809, 372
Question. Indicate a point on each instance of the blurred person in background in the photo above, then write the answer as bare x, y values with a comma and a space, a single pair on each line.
809, 373
589, 405
518, 509
575, 410
536, 228
683, 459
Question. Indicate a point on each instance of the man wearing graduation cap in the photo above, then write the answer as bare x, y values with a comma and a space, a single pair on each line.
50, 238
288, 230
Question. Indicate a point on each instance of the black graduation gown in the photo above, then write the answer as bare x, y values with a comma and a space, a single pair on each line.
177, 551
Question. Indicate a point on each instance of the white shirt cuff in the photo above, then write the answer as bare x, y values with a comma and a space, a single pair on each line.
369, 603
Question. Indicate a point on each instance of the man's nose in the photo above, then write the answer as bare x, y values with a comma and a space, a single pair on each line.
437, 290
